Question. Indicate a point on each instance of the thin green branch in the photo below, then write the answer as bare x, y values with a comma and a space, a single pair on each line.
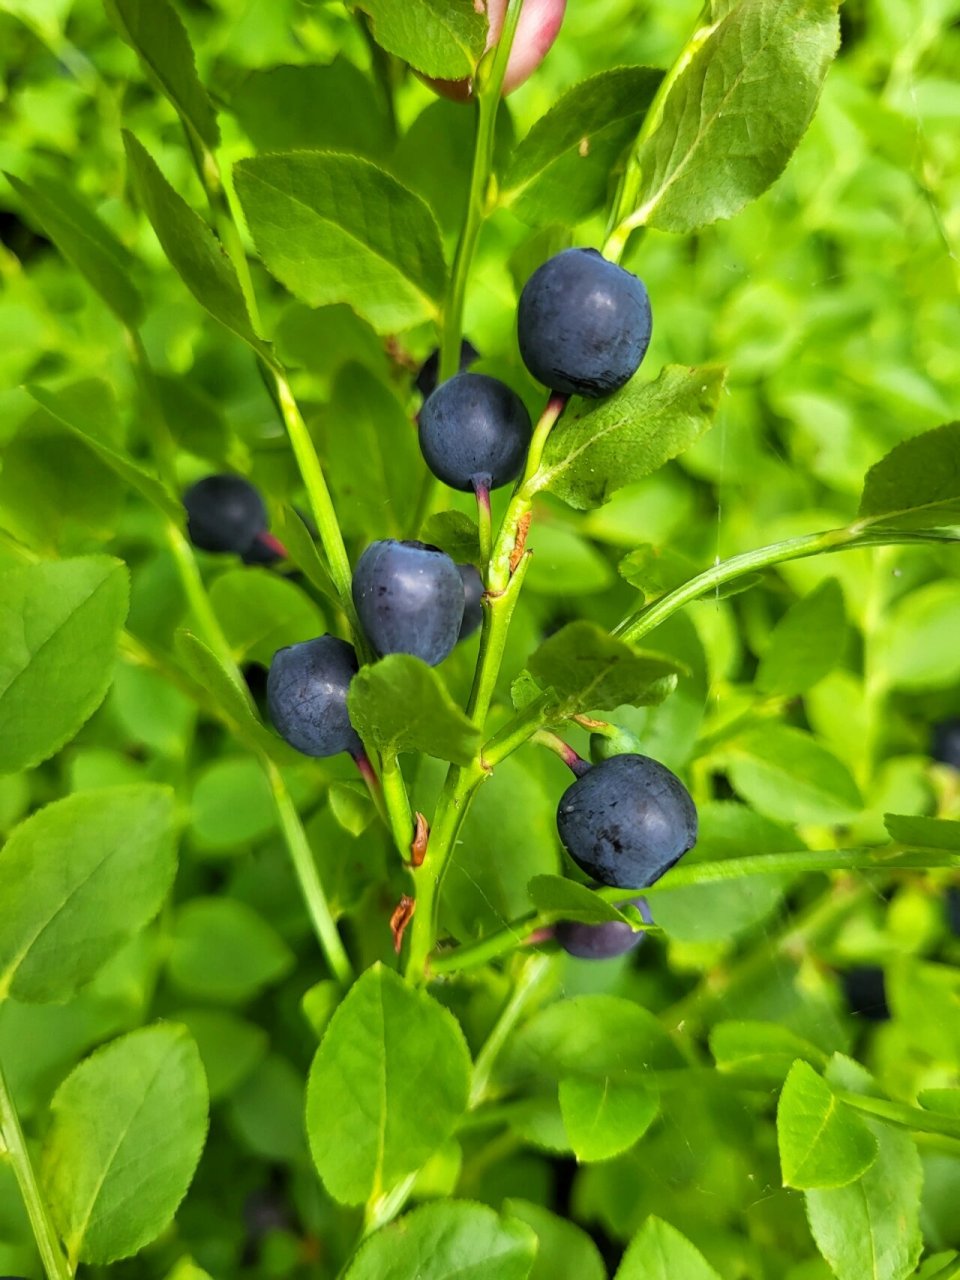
532, 977
308, 878
54, 1260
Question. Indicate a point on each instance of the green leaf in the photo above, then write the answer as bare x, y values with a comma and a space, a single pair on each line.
944, 1101
760, 1048
584, 668
917, 485
232, 805
659, 1252
871, 1227
916, 642
822, 1142
266, 1111
371, 448
86, 242
594, 1037
59, 626
450, 1240
564, 899
229, 1047
154, 30
454, 533
128, 1127
565, 1250
335, 228
202, 664
148, 486
789, 776
81, 877
925, 1000
561, 170
401, 704
739, 100
302, 550
220, 949
261, 613
923, 833
605, 1117
442, 38
193, 250
717, 912
599, 446
806, 644
313, 108
387, 1086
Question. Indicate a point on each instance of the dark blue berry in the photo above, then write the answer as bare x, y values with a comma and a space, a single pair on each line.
865, 991
307, 696
409, 599
474, 428
626, 821
426, 379
602, 941
946, 742
583, 324
224, 513
472, 600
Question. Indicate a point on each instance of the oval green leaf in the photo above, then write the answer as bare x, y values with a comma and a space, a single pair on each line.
59, 626
388, 1083
128, 1128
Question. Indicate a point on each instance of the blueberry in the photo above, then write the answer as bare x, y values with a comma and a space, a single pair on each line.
472, 597
602, 941
583, 323
865, 991
410, 599
307, 696
224, 513
426, 379
264, 550
626, 821
474, 426
946, 742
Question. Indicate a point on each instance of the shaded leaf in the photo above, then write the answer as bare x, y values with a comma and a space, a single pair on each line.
605, 1117
789, 776
261, 613
86, 242
806, 644
154, 30
221, 949
193, 250
923, 833
659, 1252
561, 170
565, 1250
569, 900
760, 1048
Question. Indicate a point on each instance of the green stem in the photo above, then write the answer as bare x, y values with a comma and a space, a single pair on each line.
488, 90
321, 504
397, 804
641, 623
307, 877
200, 605
534, 973
916, 1119
52, 1256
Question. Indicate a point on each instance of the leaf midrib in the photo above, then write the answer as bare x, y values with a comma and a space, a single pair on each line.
395, 269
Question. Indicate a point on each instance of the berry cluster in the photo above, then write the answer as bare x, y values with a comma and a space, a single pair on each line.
583, 328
